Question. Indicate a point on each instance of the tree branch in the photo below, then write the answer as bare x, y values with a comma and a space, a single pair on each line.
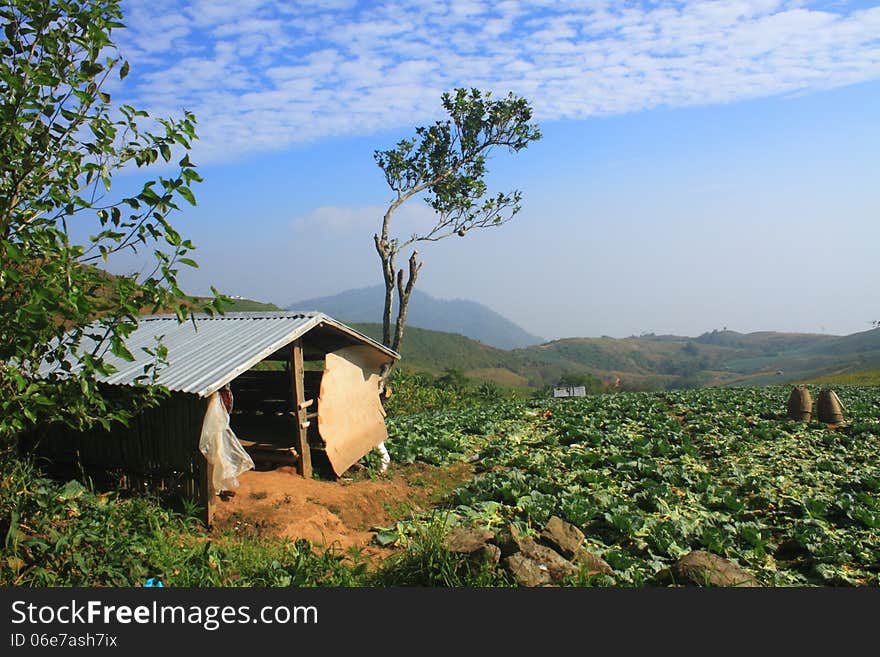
404, 292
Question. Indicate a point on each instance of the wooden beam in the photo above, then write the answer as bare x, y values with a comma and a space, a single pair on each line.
304, 466
206, 490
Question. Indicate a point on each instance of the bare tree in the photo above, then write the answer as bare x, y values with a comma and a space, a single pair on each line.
445, 164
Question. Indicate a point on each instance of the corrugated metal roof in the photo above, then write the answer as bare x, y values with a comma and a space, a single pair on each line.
204, 357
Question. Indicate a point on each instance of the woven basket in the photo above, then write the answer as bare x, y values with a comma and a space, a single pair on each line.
830, 410
800, 405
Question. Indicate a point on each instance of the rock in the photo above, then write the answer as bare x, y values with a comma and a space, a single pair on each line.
509, 541
558, 566
490, 553
515, 536
707, 569
563, 537
474, 543
662, 577
464, 540
525, 559
526, 571
595, 565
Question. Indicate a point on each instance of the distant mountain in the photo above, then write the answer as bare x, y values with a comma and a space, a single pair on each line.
467, 318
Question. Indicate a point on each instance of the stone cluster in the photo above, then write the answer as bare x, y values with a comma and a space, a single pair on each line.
559, 552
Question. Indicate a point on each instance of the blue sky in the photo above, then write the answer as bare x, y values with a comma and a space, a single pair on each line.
704, 164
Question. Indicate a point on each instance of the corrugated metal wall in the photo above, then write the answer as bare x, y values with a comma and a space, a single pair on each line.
158, 451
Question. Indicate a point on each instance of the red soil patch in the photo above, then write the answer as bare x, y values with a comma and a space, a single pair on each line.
333, 514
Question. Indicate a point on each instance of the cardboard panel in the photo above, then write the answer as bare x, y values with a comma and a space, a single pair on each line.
351, 419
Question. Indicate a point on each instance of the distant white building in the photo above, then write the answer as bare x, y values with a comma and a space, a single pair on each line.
570, 391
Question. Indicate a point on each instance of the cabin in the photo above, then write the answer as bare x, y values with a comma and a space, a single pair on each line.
299, 387
570, 391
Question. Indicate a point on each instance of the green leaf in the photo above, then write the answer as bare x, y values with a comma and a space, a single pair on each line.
13, 532
186, 193
385, 538
118, 349
71, 490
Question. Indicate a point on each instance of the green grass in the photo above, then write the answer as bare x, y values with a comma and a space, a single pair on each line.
425, 562
63, 534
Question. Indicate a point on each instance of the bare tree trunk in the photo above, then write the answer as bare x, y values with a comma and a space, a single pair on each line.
404, 292
386, 315
387, 257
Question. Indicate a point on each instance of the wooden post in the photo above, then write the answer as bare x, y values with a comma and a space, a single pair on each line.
299, 408
206, 489
204, 470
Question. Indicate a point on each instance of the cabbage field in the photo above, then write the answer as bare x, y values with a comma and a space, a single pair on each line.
649, 477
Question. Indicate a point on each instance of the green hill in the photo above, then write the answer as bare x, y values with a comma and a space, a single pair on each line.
538, 366
867, 378
238, 305
801, 360
249, 305
647, 362
435, 351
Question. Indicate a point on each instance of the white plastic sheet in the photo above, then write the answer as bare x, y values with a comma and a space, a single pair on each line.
386, 457
220, 446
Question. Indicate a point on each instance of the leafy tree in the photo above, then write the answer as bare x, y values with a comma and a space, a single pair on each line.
453, 378
445, 164
61, 142
490, 391
576, 379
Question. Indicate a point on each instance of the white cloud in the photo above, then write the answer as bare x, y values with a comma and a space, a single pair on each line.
363, 220
266, 75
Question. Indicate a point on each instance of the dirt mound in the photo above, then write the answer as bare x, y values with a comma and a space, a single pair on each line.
333, 514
